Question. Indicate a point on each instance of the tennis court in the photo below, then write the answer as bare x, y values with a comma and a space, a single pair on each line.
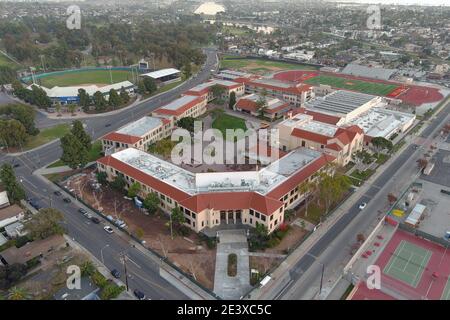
408, 263
446, 293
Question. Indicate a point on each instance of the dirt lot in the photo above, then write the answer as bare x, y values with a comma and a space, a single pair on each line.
188, 253
293, 237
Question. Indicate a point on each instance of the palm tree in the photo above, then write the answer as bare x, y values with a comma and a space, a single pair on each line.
16, 293
72, 108
58, 108
87, 268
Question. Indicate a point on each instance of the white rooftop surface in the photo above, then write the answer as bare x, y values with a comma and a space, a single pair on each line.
161, 73
306, 122
140, 127
262, 181
209, 84
340, 102
72, 91
178, 103
369, 72
272, 103
415, 214
379, 122
3, 198
275, 83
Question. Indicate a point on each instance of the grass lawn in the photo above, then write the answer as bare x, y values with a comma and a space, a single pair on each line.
225, 121
375, 88
47, 135
94, 154
85, 77
381, 158
362, 175
314, 213
4, 61
260, 65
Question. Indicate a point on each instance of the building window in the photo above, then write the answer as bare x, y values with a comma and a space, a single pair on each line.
257, 215
263, 217
251, 212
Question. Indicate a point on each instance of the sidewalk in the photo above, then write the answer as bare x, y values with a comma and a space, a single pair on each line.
101, 268
280, 277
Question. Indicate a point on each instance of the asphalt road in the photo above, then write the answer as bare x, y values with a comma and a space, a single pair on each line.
143, 272
333, 248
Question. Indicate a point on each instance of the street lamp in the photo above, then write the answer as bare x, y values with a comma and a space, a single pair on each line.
101, 253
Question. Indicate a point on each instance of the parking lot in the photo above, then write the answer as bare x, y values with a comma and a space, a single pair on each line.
441, 171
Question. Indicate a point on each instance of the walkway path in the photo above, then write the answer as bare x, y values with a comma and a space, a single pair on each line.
232, 241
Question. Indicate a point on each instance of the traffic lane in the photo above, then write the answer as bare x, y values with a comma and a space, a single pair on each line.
92, 237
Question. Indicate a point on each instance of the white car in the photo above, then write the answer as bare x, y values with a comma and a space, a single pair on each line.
362, 205
108, 229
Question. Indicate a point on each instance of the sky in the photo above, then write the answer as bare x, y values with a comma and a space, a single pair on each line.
403, 2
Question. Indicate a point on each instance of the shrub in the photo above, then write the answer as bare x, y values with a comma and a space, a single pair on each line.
273, 242
111, 291
21, 241
232, 265
99, 280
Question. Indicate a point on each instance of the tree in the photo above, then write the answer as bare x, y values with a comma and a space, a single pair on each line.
141, 87
114, 99
391, 198
124, 96
261, 104
151, 202
134, 189
422, 163
74, 154
58, 108
177, 217
81, 135
360, 237
87, 269
118, 183
102, 177
306, 188
99, 101
71, 108
45, 224
12, 133
331, 188
84, 99
22, 113
7, 75
187, 70
186, 123
218, 90
13, 189
232, 99
150, 85
382, 143
39, 97
10, 274
16, 293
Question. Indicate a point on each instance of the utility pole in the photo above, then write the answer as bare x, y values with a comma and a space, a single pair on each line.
321, 278
123, 255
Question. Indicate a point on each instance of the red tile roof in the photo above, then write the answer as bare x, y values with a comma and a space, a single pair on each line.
294, 89
300, 176
232, 201
311, 136
120, 137
321, 117
334, 146
246, 104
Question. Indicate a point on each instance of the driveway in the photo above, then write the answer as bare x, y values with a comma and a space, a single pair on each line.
229, 288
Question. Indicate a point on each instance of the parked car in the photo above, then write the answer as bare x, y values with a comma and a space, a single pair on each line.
362, 205
83, 211
139, 294
67, 200
95, 220
115, 273
108, 229
57, 193
108, 125
120, 223
110, 218
16, 165
34, 203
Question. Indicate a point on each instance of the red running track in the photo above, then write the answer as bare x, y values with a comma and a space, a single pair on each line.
414, 95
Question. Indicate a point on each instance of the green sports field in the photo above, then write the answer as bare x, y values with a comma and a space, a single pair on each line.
85, 78
226, 121
376, 88
408, 263
260, 65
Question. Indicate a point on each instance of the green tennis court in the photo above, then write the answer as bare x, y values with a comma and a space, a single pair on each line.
446, 293
376, 88
408, 263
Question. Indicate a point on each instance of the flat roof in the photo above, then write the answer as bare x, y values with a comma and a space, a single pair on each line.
178, 103
274, 83
306, 122
141, 127
205, 85
380, 122
161, 73
262, 181
72, 91
340, 101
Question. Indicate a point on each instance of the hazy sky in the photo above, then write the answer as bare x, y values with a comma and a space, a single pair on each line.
405, 2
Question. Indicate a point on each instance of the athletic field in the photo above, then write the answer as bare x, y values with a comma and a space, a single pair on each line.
260, 66
375, 88
85, 77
